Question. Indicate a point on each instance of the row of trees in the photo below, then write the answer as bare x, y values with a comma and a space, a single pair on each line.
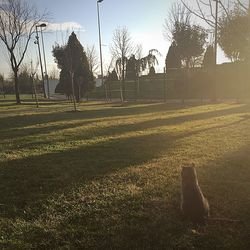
18, 20
190, 46
189, 40
128, 58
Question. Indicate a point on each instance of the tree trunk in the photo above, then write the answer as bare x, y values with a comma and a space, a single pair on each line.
87, 93
121, 92
3, 90
73, 89
79, 93
123, 82
34, 91
18, 100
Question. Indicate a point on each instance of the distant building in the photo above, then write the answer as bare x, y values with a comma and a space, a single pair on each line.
52, 86
98, 81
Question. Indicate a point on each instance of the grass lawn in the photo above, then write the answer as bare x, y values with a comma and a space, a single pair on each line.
108, 177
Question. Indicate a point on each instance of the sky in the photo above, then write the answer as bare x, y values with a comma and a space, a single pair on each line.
143, 18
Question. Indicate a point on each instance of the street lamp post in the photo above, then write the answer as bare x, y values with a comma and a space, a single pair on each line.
40, 59
216, 31
44, 58
100, 45
215, 46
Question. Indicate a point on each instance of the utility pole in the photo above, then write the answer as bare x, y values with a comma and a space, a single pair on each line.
33, 84
40, 59
100, 46
216, 31
215, 48
44, 59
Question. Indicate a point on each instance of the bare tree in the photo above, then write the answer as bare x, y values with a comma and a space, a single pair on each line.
150, 60
242, 5
109, 66
121, 49
53, 73
206, 10
177, 14
138, 51
18, 20
188, 37
33, 71
93, 60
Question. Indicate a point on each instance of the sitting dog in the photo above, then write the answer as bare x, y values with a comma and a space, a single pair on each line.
193, 203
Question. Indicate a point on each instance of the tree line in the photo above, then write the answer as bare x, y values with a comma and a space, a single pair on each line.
190, 45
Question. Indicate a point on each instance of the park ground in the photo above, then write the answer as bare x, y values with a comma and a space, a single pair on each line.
108, 176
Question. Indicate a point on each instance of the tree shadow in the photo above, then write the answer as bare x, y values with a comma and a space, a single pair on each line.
39, 176
30, 182
227, 179
35, 178
94, 116
32, 119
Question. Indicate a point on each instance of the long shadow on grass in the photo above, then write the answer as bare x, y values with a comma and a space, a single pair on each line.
150, 219
33, 179
99, 133
147, 225
33, 119
124, 128
226, 183
155, 223
23, 181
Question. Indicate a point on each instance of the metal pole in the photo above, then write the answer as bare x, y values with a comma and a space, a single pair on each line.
33, 84
165, 83
100, 46
45, 66
215, 48
216, 31
41, 65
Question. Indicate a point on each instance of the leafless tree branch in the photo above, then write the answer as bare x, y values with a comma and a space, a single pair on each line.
121, 49
200, 14
242, 5
178, 13
92, 56
18, 20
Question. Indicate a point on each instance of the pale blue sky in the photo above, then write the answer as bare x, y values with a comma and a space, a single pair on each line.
143, 18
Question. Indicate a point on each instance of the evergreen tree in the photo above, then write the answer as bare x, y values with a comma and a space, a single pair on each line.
75, 75
24, 81
209, 60
190, 40
150, 60
151, 71
173, 59
234, 35
131, 68
112, 76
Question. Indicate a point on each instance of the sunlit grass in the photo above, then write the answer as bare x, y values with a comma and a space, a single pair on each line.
107, 177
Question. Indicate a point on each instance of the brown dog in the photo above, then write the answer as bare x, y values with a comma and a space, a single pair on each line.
193, 203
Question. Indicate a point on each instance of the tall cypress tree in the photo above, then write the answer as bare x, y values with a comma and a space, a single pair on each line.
75, 76
208, 60
173, 59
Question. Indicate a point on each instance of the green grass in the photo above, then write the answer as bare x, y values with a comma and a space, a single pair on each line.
108, 177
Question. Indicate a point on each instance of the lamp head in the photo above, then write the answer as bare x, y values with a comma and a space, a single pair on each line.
99, 1
42, 25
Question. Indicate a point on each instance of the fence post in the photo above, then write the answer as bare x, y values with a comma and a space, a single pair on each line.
165, 84
135, 89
